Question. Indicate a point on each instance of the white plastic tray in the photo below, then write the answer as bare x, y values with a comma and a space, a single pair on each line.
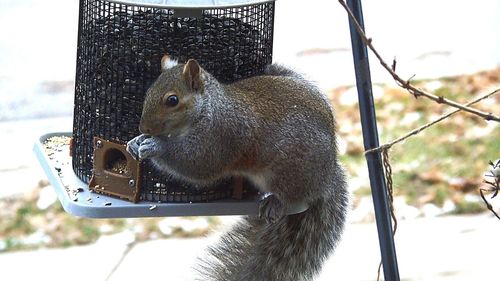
77, 200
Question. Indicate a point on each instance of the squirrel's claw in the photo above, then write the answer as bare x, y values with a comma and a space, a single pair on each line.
271, 209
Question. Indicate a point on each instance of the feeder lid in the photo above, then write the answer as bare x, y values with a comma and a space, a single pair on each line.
192, 4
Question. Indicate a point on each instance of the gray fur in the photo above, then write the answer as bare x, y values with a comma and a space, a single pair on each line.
288, 124
280, 70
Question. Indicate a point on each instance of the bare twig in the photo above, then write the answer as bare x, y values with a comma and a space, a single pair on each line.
388, 180
420, 129
495, 186
488, 205
120, 261
406, 84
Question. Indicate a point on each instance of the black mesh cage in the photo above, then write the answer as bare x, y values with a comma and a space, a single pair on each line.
118, 57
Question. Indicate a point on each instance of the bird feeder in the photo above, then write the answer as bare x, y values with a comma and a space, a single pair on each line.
120, 46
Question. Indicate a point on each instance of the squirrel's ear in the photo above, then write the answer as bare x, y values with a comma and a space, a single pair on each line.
167, 62
192, 75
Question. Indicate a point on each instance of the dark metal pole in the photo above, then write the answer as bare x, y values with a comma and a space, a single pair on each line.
370, 138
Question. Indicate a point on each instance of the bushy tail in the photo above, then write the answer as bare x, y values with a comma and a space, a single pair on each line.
291, 249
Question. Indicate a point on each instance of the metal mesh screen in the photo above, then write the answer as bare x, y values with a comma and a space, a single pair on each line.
119, 51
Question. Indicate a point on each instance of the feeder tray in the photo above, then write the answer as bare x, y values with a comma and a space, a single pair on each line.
52, 151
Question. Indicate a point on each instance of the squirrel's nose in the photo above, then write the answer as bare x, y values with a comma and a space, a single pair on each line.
145, 129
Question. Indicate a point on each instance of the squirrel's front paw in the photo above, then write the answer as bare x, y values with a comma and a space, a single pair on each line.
134, 144
271, 209
150, 147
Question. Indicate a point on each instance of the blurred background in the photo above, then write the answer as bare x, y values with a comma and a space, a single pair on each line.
452, 48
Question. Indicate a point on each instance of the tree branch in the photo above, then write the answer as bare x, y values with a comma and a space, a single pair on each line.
424, 127
406, 84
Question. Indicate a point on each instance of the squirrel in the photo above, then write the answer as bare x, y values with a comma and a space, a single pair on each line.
278, 131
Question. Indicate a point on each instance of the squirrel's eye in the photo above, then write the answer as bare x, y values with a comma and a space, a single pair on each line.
172, 100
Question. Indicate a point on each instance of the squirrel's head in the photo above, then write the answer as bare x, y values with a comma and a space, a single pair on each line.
171, 98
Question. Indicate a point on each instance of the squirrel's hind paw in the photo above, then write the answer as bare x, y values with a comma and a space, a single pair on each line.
271, 209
